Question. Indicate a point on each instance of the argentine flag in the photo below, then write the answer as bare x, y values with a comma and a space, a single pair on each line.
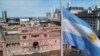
78, 33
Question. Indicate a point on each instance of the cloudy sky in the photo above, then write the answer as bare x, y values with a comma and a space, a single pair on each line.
37, 8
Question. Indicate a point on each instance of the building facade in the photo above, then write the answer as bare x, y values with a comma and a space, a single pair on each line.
27, 37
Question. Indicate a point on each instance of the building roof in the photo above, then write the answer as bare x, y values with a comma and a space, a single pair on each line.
12, 37
9, 37
91, 14
75, 8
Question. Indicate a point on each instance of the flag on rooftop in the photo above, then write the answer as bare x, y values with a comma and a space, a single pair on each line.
77, 32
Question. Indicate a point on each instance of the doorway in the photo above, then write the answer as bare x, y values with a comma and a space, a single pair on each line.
35, 45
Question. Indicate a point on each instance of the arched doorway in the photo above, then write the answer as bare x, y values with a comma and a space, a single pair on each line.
35, 45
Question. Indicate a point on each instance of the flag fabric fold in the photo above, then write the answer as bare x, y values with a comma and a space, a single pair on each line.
77, 32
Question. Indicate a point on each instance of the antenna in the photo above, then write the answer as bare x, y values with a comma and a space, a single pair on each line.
52, 9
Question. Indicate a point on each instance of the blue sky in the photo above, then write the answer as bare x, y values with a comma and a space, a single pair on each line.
37, 8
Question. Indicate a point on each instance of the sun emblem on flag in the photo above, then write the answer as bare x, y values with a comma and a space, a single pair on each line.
92, 36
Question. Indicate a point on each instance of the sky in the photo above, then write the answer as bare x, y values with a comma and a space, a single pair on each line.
38, 8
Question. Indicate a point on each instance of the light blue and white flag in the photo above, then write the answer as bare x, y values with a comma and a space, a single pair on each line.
77, 32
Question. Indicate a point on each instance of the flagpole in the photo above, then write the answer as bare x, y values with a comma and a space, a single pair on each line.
61, 9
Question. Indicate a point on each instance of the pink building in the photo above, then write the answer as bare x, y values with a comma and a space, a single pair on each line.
30, 37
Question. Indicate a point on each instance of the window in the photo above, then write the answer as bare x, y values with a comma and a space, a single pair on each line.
55, 41
22, 25
24, 31
45, 35
18, 43
8, 45
13, 44
1, 46
24, 37
37, 35
34, 36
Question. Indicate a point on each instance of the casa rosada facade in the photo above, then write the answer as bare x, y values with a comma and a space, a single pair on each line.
28, 37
